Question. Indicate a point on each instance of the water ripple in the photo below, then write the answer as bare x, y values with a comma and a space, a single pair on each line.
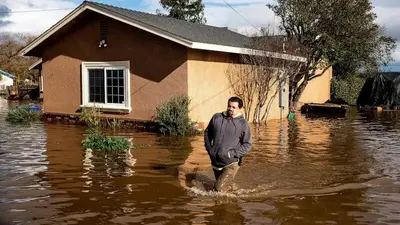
306, 171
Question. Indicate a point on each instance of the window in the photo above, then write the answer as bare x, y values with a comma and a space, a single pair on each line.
115, 86
106, 85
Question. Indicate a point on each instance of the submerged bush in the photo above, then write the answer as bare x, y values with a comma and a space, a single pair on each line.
90, 116
98, 141
22, 114
173, 116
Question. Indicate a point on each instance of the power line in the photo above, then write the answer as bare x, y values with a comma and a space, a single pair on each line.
39, 10
241, 15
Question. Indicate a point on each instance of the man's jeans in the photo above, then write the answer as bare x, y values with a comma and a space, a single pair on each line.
224, 178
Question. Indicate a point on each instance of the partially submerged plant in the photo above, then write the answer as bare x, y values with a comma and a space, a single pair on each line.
114, 123
173, 116
96, 140
22, 114
91, 117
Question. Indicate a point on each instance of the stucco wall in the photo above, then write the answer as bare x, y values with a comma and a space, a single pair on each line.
318, 90
158, 67
209, 86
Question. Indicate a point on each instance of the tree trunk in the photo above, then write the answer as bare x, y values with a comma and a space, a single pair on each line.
257, 112
296, 92
269, 104
292, 89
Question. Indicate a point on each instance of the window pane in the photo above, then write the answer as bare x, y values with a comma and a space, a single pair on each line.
115, 90
109, 81
98, 80
115, 86
96, 85
99, 98
99, 90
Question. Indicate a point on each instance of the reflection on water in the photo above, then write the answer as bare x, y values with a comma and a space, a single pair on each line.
307, 171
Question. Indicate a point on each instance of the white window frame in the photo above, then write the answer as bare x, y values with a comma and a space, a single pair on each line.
125, 65
41, 83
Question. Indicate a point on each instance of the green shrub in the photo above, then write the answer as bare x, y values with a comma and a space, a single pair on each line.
96, 140
22, 115
173, 117
347, 88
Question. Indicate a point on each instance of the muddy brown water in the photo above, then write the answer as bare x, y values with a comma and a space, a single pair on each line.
307, 171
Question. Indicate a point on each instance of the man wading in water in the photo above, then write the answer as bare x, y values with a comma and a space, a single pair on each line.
227, 139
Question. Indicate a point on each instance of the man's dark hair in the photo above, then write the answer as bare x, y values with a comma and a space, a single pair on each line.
238, 100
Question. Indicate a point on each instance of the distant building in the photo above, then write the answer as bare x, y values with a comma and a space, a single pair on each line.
7, 79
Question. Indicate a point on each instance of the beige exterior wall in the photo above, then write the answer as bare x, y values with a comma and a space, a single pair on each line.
209, 87
276, 112
318, 90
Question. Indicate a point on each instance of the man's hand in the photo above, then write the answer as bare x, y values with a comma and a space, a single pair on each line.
231, 153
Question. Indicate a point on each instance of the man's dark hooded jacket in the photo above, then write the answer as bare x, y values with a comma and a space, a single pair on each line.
227, 139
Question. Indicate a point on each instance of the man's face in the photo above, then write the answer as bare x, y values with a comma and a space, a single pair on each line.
233, 109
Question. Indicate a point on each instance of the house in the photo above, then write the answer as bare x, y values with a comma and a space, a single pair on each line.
130, 62
38, 66
6, 79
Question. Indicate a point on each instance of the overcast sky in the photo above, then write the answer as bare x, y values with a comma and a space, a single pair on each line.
217, 13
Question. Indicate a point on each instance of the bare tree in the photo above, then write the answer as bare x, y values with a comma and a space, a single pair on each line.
242, 80
262, 73
10, 44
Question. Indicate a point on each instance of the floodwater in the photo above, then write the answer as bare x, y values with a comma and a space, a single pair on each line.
308, 171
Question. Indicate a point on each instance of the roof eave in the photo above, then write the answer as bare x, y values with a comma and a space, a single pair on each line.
246, 51
140, 25
27, 49
87, 5
6, 74
35, 64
